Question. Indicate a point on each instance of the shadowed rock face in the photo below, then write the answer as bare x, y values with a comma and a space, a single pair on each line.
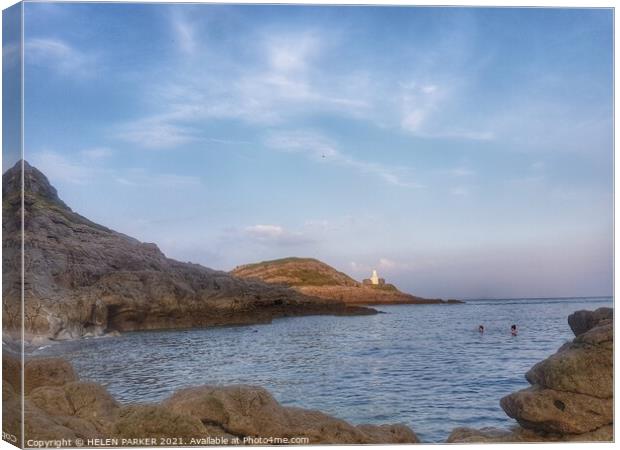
64, 407
315, 278
582, 321
571, 397
83, 279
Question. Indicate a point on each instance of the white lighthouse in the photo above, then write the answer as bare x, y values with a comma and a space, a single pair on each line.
374, 279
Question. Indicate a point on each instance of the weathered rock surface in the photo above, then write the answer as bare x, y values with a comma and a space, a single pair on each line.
315, 278
571, 397
78, 409
250, 411
580, 368
584, 320
47, 372
155, 421
557, 411
83, 279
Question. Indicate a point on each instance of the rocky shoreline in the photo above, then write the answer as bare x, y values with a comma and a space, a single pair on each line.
571, 399
83, 279
366, 295
60, 407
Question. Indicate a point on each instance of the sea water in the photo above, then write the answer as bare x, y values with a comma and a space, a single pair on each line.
426, 366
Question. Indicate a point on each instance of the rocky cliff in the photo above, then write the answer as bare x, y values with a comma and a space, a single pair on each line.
59, 406
571, 393
84, 279
313, 277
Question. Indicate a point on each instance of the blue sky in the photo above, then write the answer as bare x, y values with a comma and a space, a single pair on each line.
461, 152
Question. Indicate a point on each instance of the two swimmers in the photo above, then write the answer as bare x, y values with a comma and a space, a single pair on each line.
513, 329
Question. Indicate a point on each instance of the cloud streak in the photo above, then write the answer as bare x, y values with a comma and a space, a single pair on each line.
82, 171
156, 133
276, 235
320, 149
279, 79
59, 56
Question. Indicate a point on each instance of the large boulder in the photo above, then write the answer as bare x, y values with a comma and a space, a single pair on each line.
52, 400
156, 421
572, 390
394, 434
581, 367
41, 426
582, 321
320, 428
238, 409
557, 411
84, 407
92, 402
252, 411
47, 372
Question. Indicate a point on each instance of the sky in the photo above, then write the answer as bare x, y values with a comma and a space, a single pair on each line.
461, 152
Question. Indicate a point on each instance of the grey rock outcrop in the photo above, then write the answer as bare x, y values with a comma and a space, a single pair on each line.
571, 397
85, 410
584, 320
83, 279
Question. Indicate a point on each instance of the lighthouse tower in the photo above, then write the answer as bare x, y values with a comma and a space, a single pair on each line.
374, 279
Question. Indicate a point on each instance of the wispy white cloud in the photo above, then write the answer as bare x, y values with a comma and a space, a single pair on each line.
461, 172
282, 82
279, 78
58, 167
82, 171
321, 149
286, 55
184, 32
285, 82
144, 178
97, 152
59, 56
386, 263
383, 264
156, 132
11, 54
461, 191
275, 235
421, 108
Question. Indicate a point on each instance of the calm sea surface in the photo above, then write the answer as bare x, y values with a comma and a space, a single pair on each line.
425, 365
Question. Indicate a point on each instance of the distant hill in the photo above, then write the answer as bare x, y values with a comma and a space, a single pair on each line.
315, 278
295, 272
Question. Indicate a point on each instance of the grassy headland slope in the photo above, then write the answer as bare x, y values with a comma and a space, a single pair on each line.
313, 277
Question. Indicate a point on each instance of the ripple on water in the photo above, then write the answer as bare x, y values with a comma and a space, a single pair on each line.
425, 366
